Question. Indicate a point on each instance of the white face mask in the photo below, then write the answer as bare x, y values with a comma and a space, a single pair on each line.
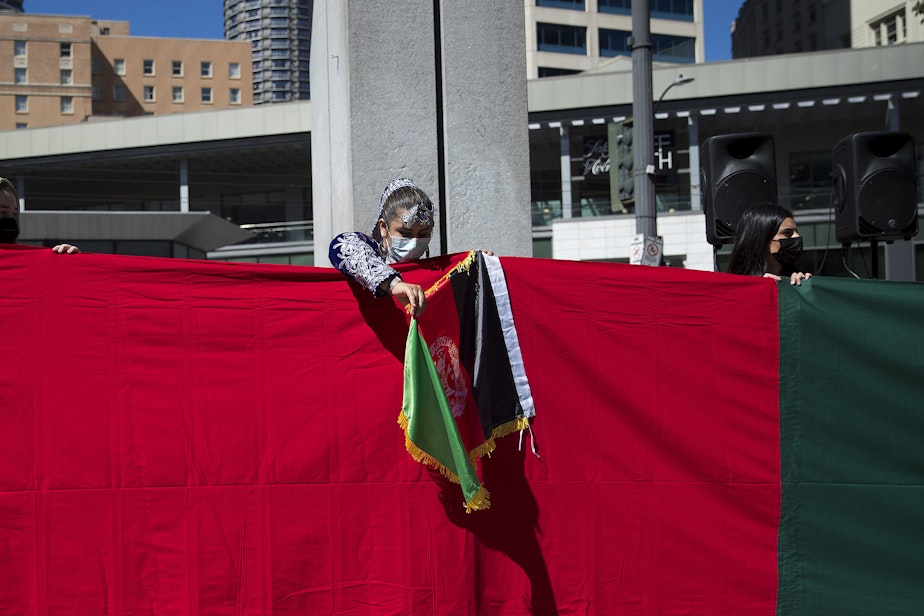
406, 248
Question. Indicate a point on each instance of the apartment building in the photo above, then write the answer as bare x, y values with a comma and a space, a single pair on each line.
771, 27
571, 36
45, 69
64, 69
279, 33
154, 76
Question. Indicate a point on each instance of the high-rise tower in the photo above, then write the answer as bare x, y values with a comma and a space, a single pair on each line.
279, 32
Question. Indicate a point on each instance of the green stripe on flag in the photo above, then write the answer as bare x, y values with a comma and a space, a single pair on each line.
431, 434
851, 535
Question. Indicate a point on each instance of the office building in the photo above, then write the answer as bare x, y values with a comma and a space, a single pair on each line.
65, 69
279, 32
154, 76
570, 36
769, 27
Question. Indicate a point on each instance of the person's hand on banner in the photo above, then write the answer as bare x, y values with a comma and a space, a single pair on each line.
410, 295
66, 249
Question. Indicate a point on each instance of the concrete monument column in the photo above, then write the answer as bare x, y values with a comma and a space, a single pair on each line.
428, 91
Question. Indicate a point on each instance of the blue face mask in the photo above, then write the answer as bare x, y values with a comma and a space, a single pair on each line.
407, 248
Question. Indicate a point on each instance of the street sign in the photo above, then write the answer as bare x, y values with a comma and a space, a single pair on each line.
646, 250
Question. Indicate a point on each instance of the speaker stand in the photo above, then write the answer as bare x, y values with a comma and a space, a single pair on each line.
874, 258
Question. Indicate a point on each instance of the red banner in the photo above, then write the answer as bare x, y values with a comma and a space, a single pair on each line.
217, 438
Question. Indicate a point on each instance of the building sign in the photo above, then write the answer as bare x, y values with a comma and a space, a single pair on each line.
596, 156
665, 149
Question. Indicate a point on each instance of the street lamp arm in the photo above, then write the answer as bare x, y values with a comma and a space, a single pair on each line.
679, 81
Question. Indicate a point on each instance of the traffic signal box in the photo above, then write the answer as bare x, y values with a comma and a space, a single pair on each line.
622, 181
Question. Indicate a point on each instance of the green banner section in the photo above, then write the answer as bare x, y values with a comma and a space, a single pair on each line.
852, 445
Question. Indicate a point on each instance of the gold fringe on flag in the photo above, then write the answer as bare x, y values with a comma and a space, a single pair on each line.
462, 266
482, 498
485, 449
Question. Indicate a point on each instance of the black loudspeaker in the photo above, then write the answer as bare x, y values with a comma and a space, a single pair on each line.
874, 187
738, 172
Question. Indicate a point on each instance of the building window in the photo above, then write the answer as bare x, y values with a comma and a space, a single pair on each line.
618, 7
67, 76
21, 125
234, 95
118, 66
667, 48
206, 95
118, 93
614, 43
672, 9
660, 9
148, 67
577, 5
95, 66
177, 94
562, 39
234, 70
205, 69
21, 75
149, 94
65, 50
19, 48
104, 31
890, 30
555, 72
664, 47
22, 103
177, 68
97, 93
809, 180
67, 104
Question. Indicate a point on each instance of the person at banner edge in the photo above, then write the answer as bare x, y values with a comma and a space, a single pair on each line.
767, 244
401, 233
9, 218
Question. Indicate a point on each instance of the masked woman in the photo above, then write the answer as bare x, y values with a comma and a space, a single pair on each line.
402, 233
767, 244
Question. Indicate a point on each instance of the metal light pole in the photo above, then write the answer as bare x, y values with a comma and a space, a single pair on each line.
646, 223
646, 247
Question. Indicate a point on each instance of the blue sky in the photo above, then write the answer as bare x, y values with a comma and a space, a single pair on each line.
170, 18
203, 18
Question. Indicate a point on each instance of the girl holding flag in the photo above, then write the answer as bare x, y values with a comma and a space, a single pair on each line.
402, 233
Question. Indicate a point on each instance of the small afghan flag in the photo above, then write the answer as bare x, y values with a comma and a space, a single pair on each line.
431, 435
472, 386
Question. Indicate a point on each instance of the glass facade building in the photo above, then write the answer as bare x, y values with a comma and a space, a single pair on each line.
564, 37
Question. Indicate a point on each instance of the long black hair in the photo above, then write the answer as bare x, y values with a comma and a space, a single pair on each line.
756, 229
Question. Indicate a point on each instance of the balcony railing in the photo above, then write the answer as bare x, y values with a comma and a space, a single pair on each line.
272, 232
